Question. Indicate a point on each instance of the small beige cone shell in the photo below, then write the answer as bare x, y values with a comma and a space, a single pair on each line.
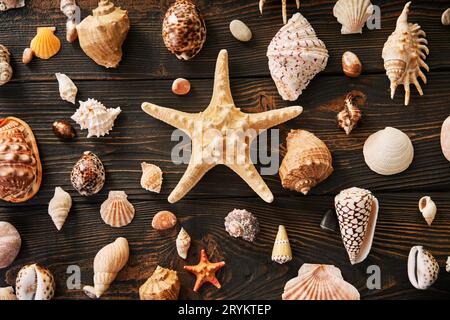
35, 282
281, 252
183, 243
117, 211
7, 293
428, 209
162, 285
59, 207
67, 89
152, 177
107, 264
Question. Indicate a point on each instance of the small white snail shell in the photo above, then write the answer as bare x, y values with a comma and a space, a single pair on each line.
428, 209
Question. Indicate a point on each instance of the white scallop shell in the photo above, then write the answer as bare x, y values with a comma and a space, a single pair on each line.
95, 117
388, 151
59, 207
117, 211
67, 89
352, 14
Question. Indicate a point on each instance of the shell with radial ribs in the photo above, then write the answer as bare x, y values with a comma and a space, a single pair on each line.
184, 30
88, 174
69, 8
45, 44
163, 284
445, 138
6, 70
281, 252
164, 220
388, 151
428, 209
35, 282
243, 224
306, 163
352, 14
295, 55
10, 243
102, 34
151, 178
107, 264
95, 117
423, 269
357, 212
7, 293
59, 207
404, 53
183, 243
319, 282
283, 8
117, 211
20, 166
445, 18
11, 4
67, 89
349, 117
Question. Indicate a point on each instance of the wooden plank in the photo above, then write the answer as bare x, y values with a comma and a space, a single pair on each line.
146, 57
249, 273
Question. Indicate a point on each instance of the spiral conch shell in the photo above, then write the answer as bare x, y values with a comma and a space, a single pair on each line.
7, 293
357, 212
67, 89
423, 269
352, 14
102, 34
295, 55
388, 151
151, 179
6, 70
162, 285
10, 243
306, 163
319, 282
117, 211
20, 166
95, 117
59, 207
183, 243
107, 264
45, 44
404, 53
428, 209
35, 282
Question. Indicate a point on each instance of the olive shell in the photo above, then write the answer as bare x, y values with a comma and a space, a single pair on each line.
63, 130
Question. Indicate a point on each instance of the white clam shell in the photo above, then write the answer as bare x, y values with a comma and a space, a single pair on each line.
352, 14
67, 89
388, 151
428, 209
423, 269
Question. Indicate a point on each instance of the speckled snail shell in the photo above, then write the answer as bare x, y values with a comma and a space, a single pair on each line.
88, 174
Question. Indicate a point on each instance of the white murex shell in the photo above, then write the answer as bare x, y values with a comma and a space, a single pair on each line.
388, 151
357, 212
352, 14
67, 89
423, 269
295, 55
95, 117
59, 207
183, 243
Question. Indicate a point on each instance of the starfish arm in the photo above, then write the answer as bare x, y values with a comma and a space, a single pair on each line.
271, 118
250, 175
181, 120
213, 280
198, 283
194, 172
221, 92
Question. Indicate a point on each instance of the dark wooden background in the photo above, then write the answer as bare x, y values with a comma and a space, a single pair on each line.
146, 73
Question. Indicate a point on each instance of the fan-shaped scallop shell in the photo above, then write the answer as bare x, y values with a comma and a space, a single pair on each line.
151, 179
10, 243
35, 282
319, 282
388, 151
404, 53
445, 138
45, 44
162, 285
20, 166
67, 89
306, 163
88, 174
117, 211
59, 207
352, 14
295, 55
7, 293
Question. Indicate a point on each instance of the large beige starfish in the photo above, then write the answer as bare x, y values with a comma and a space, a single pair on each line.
217, 132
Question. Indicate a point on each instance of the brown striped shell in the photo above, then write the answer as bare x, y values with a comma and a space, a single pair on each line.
88, 174
20, 166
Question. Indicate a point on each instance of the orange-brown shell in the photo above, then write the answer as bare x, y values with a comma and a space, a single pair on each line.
307, 162
20, 165
45, 44
164, 220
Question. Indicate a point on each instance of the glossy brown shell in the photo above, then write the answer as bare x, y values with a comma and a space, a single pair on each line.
88, 174
20, 165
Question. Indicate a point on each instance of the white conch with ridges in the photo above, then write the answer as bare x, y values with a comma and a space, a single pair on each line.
67, 89
352, 14
59, 207
95, 117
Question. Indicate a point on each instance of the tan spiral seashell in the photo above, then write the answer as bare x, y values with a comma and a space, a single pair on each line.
404, 53
102, 34
319, 282
152, 178
162, 285
6, 70
107, 264
117, 211
45, 44
59, 207
35, 282
183, 243
7, 293
306, 163
352, 14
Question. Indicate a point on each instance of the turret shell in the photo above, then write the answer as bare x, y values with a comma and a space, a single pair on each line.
162, 285
117, 211
10, 243
59, 207
88, 174
35, 282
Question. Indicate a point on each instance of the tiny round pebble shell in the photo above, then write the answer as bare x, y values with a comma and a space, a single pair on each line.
63, 130
181, 87
27, 56
164, 220
351, 65
240, 31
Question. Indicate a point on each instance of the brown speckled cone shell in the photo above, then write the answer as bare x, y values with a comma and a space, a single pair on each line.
88, 174
184, 30
20, 166
162, 285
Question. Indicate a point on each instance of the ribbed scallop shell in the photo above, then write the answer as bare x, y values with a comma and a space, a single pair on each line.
388, 151
152, 178
59, 207
10, 243
445, 138
20, 166
95, 117
352, 14
117, 211
295, 55
102, 34
35, 282
162, 285
88, 174
7, 293
67, 89
307, 162
404, 53
319, 282
45, 44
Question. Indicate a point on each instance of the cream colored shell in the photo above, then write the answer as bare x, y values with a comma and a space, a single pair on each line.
59, 207
67, 89
7, 293
423, 269
117, 211
352, 14
428, 209
445, 138
183, 243
162, 285
281, 252
6, 71
35, 282
10, 243
152, 177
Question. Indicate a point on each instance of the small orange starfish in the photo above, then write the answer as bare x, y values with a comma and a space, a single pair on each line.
205, 271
